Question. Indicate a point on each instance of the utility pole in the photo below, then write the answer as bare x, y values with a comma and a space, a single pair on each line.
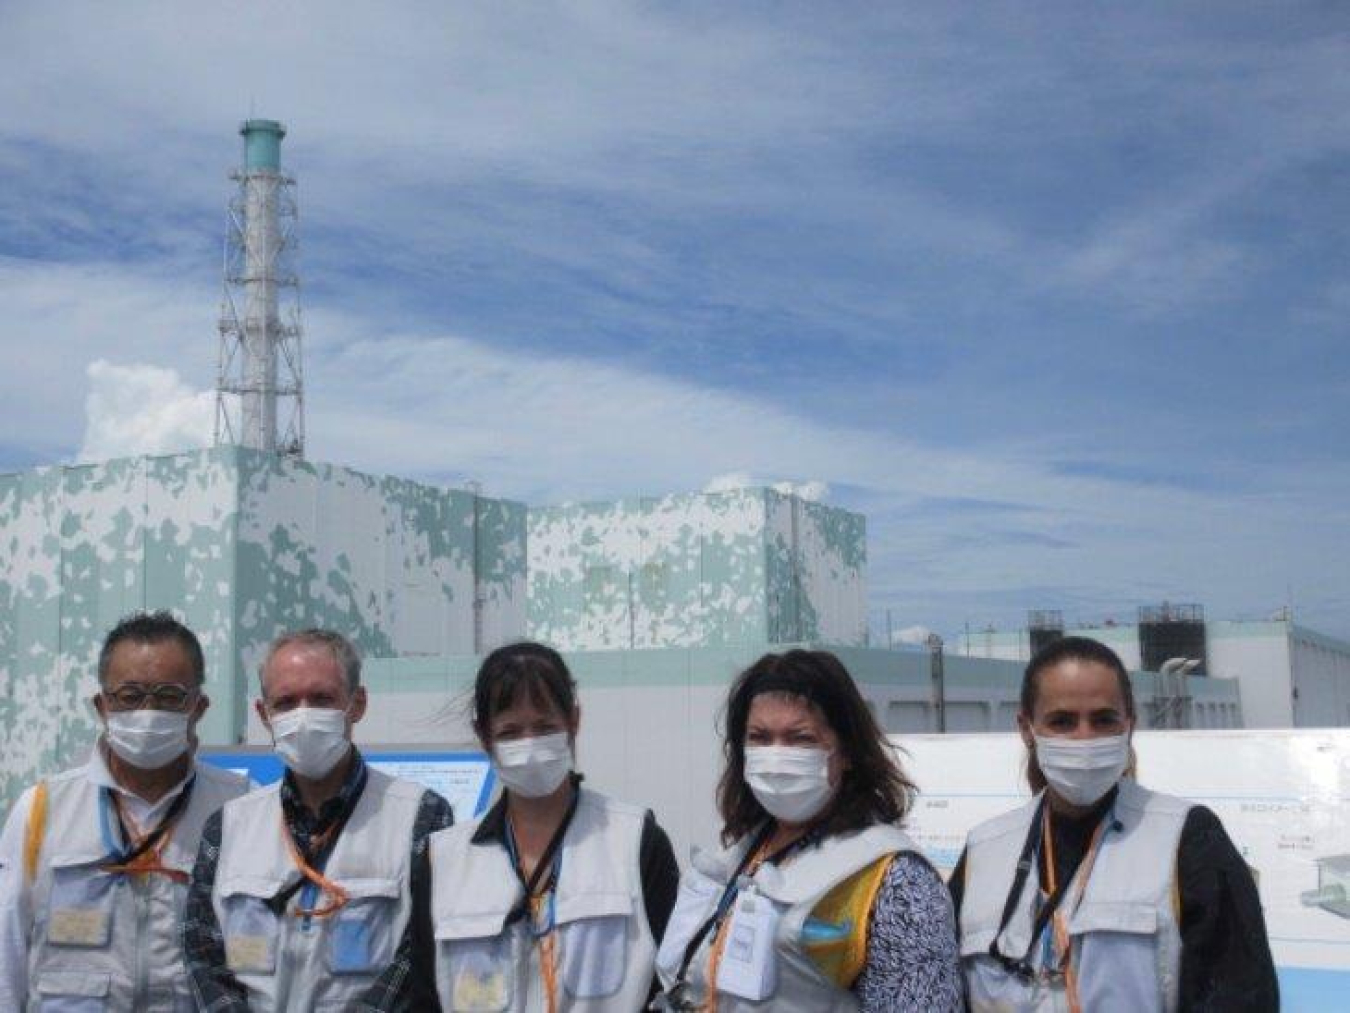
935, 660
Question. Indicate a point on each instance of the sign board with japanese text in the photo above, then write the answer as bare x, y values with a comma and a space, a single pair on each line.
1283, 796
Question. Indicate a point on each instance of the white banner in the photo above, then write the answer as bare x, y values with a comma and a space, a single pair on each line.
1283, 796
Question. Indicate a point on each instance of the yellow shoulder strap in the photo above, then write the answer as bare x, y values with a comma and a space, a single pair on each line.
36, 830
842, 917
1176, 887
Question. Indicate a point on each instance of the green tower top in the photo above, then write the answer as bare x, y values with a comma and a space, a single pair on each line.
262, 144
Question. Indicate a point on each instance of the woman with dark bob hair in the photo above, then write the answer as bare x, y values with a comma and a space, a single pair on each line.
554, 900
818, 900
1138, 902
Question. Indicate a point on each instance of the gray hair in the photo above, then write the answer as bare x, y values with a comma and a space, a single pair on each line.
343, 650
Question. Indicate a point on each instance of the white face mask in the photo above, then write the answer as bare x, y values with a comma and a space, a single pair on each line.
146, 738
792, 783
533, 768
1081, 771
311, 740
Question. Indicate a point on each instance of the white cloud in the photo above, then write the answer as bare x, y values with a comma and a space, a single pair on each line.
914, 635
594, 143
549, 428
61, 317
813, 490
729, 482
139, 409
400, 109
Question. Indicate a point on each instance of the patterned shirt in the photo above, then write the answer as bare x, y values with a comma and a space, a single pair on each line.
912, 959
214, 987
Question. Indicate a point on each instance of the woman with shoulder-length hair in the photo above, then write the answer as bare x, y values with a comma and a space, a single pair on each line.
1098, 894
818, 900
553, 901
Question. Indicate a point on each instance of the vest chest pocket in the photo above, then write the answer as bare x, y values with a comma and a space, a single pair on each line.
80, 906
361, 935
250, 927
477, 972
72, 992
694, 904
1117, 956
594, 955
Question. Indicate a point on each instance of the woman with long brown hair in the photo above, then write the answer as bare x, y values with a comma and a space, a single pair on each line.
818, 901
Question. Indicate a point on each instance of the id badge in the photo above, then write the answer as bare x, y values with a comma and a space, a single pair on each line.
481, 987
749, 967
80, 908
74, 926
480, 972
249, 954
250, 932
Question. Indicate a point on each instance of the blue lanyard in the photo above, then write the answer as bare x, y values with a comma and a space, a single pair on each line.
128, 849
105, 803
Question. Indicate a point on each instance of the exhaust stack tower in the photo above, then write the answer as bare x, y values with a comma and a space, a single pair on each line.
260, 385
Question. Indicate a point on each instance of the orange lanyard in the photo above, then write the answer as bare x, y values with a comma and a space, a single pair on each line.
150, 861
334, 891
720, 939
548, 955
539, 895
1063, 944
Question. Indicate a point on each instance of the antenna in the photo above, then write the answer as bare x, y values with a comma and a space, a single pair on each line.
260, 380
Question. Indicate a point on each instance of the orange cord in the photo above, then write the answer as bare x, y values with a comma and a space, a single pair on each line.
548, 943
1063, 944
151, 860
548, 958
720, 939
330, 889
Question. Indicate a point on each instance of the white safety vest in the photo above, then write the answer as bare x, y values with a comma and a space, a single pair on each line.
794, 889
1125, 941
294, 962
602, 942
107, 941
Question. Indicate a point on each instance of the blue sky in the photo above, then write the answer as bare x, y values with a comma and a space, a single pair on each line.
1057, 296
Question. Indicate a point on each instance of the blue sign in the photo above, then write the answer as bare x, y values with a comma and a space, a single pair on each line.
465, 780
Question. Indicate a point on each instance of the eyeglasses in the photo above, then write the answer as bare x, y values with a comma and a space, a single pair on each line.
165, 696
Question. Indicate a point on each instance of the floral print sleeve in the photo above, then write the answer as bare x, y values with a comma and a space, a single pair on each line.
912, 959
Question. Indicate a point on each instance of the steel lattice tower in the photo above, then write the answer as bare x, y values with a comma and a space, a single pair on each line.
260, 384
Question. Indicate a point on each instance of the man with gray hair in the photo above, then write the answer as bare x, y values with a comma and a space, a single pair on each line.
302, 892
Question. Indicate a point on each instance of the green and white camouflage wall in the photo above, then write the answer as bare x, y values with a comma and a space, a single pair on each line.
79, 548
242, 545
817, 565
702, 569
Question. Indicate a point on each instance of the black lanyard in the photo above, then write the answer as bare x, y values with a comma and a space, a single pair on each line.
733, 887
137, 849
1046, 909
545, 875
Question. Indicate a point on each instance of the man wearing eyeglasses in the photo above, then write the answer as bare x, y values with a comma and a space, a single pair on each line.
95, 861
